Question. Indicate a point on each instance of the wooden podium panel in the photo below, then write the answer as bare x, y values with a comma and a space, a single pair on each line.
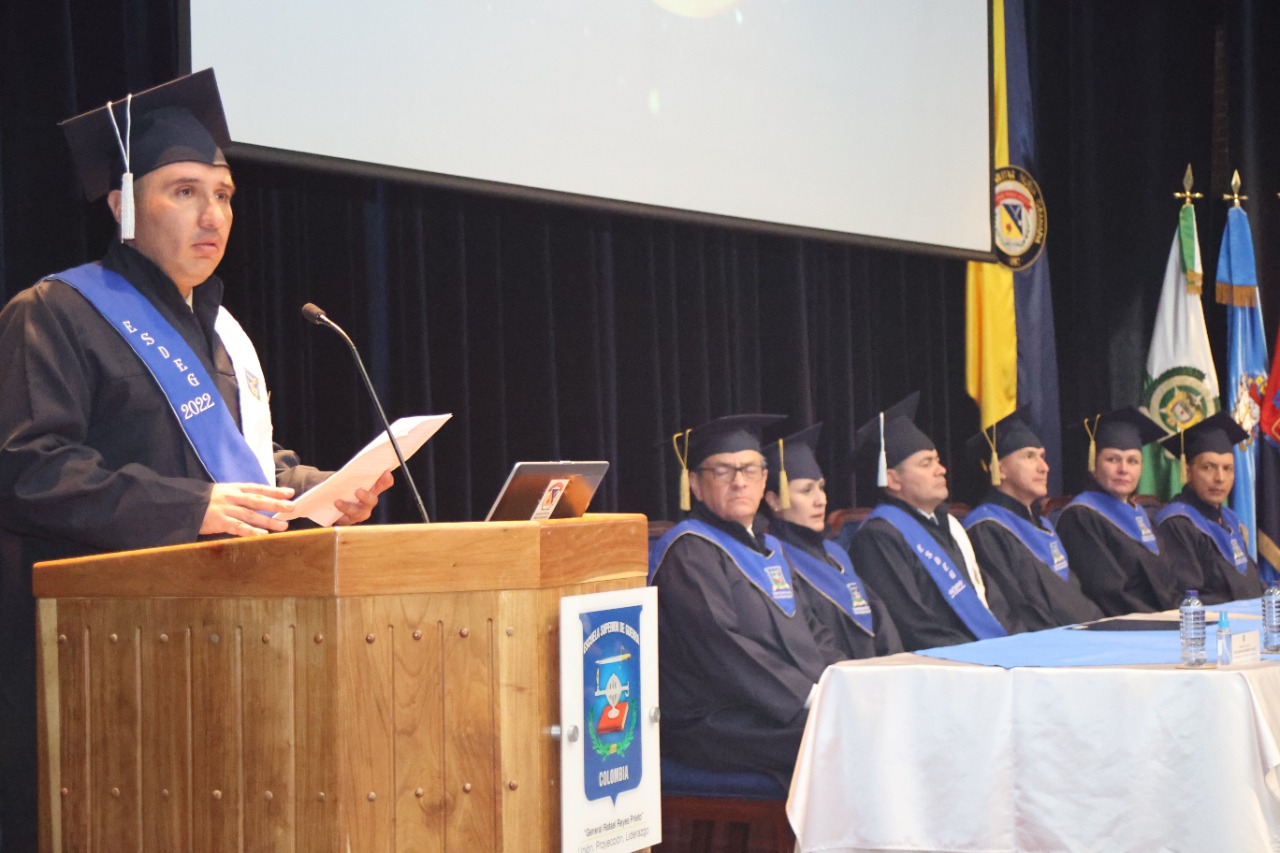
347, 689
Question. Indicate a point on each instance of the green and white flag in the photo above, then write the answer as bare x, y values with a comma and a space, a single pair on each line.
1181, 384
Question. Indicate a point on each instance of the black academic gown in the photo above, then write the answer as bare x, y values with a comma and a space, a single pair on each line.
851, 640
91, 459
893, 572
1197, 562
736, 671
1039, 597
1115, 570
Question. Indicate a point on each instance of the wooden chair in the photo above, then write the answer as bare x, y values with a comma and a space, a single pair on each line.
837, 519
1053, 506
1151, 504
708, 798
658, 527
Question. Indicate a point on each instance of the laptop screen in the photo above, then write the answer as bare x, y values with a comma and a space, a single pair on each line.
539, 490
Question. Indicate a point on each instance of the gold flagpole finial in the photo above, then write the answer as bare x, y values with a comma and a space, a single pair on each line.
1235, 197
1187, 195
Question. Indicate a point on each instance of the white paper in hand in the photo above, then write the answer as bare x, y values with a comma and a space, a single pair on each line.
364, 469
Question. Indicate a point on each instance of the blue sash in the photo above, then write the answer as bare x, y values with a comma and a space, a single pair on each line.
192, 395
841, 586
952, 583
1043, 544
768, 573
1230, 542
1132, 520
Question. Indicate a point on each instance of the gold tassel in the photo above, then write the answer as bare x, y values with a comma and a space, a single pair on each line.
784, 485
685, 503
1182, 454
1195, 283
994, 467
1093, 442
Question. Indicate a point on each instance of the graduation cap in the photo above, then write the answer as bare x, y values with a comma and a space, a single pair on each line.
729, 434
1005, 436
178, 121
890, 437
792, 458
1218, 433
1122, 429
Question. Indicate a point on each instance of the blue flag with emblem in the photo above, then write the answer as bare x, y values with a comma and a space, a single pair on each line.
1032, 293
1237, 288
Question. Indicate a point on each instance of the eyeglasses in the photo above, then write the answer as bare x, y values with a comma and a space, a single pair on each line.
751, 472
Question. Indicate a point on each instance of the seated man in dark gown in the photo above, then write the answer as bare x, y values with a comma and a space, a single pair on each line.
911, 551
1017, 547
1204, 539
796, 495
738, 659
1111, 543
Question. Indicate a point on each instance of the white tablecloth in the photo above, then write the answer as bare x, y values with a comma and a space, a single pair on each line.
910, 754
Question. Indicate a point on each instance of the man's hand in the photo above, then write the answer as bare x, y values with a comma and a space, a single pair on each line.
354, 512
233, 508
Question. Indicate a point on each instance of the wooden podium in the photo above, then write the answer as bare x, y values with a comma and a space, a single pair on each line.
350, 689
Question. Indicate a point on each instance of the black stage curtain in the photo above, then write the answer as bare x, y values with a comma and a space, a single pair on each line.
1127, 95
557, 332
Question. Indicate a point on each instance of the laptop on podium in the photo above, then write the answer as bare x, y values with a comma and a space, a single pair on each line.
540, 490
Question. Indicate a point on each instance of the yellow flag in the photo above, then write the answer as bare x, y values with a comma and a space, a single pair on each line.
991, 335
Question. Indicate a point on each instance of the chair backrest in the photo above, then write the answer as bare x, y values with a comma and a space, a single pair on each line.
1053, 506
837, 519
1151, 503
659, 527
842, 524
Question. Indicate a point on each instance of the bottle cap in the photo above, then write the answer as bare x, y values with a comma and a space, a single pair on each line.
1192, 593
1223, 622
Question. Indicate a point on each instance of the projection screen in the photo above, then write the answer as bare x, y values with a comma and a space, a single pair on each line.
867, 120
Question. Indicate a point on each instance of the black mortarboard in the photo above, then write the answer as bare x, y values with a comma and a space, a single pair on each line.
178, 121
1005, 436
891, 436
729, 434
1122, 429
1218, 433
792, 458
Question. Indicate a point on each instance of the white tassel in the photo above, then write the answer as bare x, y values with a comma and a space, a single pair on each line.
126, 180
126, 206
882, 466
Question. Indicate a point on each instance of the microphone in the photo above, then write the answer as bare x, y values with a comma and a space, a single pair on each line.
316, 315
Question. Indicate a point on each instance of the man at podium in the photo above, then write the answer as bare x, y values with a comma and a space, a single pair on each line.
133, 411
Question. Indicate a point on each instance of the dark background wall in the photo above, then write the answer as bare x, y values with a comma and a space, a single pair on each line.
557, 332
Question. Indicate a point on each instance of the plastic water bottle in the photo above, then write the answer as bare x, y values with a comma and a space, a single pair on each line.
1191, 627
1224, 639
1271, 619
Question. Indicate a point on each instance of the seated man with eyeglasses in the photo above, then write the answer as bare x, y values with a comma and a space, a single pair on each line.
737, 657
